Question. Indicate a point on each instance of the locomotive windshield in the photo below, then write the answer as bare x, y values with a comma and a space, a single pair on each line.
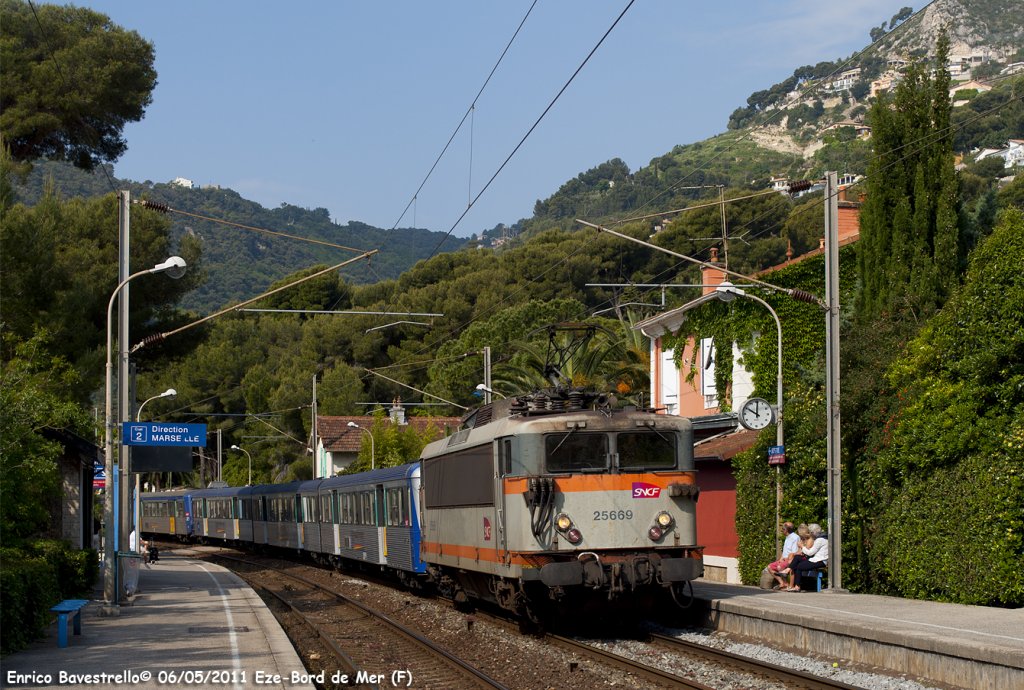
576, 452
589, 452
646, 450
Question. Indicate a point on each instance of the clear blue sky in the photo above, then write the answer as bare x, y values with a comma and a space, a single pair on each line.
345, 105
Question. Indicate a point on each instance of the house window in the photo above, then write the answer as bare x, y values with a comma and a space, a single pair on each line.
707, 373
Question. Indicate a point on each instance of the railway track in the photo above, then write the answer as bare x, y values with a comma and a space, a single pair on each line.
365, 640
643, 673
790, 677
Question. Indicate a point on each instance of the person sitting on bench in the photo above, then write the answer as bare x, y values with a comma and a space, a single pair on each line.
817, 557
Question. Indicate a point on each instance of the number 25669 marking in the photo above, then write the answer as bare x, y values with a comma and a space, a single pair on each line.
613, 515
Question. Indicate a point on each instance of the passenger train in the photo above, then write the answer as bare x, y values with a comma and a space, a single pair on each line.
548, 497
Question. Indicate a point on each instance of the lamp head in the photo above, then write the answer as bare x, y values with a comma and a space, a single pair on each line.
727, 292
174, 267
234, 447
354, 425
169, 393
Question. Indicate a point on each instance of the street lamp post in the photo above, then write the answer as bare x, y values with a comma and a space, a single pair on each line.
169, 393
175, 267
373, 461
727, 292
249, 483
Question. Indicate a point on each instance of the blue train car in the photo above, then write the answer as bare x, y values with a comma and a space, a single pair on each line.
308, 516
372, 517
218, 514
277, 515
167, 513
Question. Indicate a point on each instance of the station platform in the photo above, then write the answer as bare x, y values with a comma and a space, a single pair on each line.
192, 624
951, 644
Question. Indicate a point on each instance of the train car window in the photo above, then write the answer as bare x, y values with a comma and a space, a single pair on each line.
309, 509
505, 456
366, 508
576, 452
646, 450
325, 508
394, 501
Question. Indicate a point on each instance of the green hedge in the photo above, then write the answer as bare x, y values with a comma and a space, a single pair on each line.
34, 578
28, 588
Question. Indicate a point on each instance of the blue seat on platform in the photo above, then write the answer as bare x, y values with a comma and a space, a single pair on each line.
68, 607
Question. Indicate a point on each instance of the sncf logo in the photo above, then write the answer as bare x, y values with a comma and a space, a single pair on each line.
645, 490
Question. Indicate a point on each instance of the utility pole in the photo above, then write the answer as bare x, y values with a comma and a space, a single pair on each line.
487, 375
124, 402
834, 459
317, 470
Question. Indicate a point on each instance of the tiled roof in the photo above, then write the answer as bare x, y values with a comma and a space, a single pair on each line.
725, 447
338, 437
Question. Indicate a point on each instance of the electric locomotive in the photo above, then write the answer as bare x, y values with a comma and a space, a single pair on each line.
556, 495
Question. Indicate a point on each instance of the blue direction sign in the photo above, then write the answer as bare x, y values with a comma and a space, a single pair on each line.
162, 434
776, 455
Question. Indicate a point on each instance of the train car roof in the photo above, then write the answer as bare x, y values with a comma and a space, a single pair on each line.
309, 486
385, 474
266, 489
164, 495
216, 493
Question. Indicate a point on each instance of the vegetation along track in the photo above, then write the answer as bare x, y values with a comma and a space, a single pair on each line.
361, 638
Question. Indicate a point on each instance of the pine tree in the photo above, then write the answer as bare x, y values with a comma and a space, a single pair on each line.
910, 221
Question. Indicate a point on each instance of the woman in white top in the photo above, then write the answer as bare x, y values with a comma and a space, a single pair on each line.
817, 557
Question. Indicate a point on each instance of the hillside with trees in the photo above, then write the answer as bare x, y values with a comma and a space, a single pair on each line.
932, 303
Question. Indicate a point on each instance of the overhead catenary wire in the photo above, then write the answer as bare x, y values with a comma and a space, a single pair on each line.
531, 129
458, 127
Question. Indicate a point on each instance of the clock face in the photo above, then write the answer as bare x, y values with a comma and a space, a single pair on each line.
756, 413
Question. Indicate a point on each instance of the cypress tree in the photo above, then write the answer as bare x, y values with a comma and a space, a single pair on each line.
910, 221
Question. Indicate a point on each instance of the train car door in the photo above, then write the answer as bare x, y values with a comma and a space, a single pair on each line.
380, 511
336, 521
299, 522
189, 524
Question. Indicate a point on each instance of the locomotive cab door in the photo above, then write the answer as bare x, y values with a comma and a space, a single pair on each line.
503, 468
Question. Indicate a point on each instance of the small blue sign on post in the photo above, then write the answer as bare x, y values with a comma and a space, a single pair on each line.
162, 434
776, 455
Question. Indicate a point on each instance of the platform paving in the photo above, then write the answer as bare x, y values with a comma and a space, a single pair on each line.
192, 624
957, 645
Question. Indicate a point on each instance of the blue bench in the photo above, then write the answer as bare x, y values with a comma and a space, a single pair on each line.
68, 607
818, 577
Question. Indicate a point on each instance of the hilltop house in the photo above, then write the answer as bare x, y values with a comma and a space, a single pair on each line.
682, 391
1012, 154
338, 444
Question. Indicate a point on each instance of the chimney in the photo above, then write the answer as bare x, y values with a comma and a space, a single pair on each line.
397, 412
711, 276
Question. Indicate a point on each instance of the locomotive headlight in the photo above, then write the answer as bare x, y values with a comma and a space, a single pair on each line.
664, 520
563, 522
654, 533
574, 536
